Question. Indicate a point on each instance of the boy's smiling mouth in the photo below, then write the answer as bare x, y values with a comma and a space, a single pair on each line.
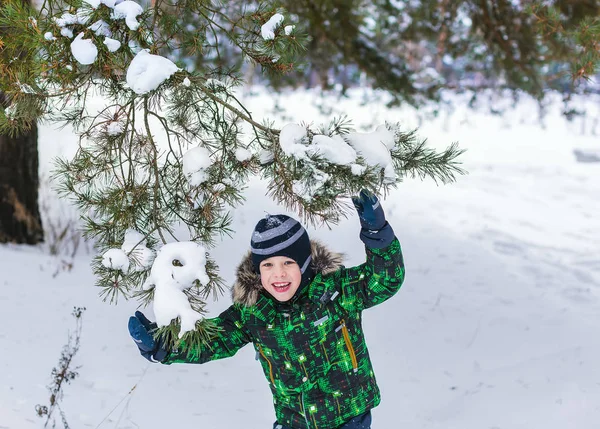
281, 287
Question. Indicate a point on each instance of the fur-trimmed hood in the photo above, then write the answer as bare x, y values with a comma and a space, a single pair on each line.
247, 285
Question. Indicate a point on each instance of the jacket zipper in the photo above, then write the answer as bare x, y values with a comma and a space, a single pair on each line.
260, 350
349, 346
304, 411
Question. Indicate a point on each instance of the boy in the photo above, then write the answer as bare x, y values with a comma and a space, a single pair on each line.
302, 311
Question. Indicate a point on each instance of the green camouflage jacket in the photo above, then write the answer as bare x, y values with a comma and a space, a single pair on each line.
312, 350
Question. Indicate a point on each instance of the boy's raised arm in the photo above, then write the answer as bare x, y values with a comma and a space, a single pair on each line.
231, 337
381, 276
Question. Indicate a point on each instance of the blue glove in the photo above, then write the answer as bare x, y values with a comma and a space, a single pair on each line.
376, 233
141, 330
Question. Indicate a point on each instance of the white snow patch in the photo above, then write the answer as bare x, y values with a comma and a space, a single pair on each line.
49, 36
375, 147
26, 88
195, 163
291, 139
11, 111
101, 28
66, 19
176, 267
333, 149
66, 32
357, 169
147, 71
267, 30
135, 246
265, 156
288, 29
115, 259
242, 154
84, 50
114, 128
111, 44
128, 10
186, 82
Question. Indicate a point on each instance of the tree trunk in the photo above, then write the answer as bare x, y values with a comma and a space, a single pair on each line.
20, 220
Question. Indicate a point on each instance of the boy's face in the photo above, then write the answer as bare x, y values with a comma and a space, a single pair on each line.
280, 276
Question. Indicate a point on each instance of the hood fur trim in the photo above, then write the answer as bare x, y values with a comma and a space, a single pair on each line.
247, 286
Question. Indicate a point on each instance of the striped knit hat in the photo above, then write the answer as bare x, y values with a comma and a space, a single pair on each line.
281, 235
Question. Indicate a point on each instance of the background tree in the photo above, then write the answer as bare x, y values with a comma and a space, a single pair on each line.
414, 50
20, 220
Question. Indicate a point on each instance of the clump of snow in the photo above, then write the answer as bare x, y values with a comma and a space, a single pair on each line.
176, 267
374, 147
357, 169
288, 29
229, 182
26, 88
128, 10
66, 32
291, 139
11, 111
111, 44
242, 154
135, 245
101, 28
267, 30
147, 71
84, 50
195, 163
186, 82
114, 128
115, 259
49, 36
265, 156
66, 19
333, 149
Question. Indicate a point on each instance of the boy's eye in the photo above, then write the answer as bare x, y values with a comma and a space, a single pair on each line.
289, 262
266, 264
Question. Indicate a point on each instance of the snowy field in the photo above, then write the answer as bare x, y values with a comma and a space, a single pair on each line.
496, 326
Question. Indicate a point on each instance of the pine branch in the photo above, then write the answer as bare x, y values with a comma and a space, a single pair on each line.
136, 170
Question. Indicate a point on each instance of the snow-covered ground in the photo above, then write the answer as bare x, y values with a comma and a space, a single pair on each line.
496, 326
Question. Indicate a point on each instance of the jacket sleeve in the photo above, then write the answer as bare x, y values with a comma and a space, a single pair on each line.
376, 280
231, 337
